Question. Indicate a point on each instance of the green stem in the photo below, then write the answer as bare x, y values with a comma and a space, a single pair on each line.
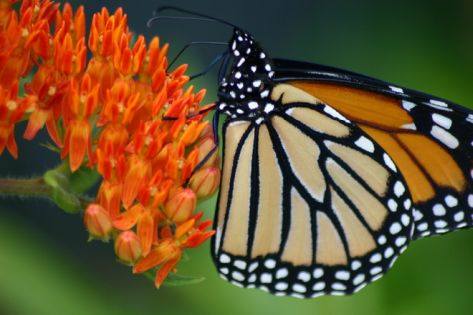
25, 187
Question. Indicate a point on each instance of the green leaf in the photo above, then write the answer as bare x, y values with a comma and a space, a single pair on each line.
175, 280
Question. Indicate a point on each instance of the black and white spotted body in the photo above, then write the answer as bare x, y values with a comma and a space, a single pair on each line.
245, 91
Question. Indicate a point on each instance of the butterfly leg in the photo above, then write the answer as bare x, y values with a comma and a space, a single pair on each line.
215, 123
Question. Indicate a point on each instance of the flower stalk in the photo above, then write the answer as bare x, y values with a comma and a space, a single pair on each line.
25, 187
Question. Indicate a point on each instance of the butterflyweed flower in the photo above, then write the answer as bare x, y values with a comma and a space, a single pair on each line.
97, 222
128, 247
205, 181
119, 113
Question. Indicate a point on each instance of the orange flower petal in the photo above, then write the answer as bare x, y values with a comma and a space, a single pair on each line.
163, 272
129, 218
78, 143
184, 228
146, 231
165, 251
134, 179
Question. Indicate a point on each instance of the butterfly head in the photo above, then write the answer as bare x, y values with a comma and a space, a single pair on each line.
245, 89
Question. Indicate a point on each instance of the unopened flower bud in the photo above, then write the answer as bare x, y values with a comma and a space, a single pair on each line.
180, 207
97, 222
128, 247
205, 181
205, 146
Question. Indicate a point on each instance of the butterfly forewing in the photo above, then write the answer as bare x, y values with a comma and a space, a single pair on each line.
428, 139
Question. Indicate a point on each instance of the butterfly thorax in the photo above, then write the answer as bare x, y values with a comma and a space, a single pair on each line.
246, 89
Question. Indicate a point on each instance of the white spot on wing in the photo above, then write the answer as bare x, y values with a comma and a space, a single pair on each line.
218, 237
439, 210
459, 216
224, 271
405, 219
442, 121
240, 264
392, 205
445, 137
266, 278
359, 279
339, 286
365, 144
470, 118
253, 266
410, 126
355, 264
342, 275
299, 288
318, 272
451, 201
281, 286
375, 270
401, 240
438, 103
375, 258
270, 263
381, 240
224, 259
282, 273
395, 228
423, 226
318, 286
238, 276
399, 189
388, 252
304, 276
332, 112
408, 105
396, 89
389, 162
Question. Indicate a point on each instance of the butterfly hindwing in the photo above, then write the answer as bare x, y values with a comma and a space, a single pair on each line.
309, 205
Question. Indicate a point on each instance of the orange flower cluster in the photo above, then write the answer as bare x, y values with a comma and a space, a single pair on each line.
120, 113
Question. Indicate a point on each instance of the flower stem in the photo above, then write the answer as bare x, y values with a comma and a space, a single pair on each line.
24, 187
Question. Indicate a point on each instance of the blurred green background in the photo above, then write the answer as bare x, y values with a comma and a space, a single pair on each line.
48, 267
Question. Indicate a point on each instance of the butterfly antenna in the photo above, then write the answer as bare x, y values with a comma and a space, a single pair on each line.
209, 66
196, 16
189, 45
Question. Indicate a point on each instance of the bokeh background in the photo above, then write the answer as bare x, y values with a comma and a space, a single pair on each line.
48, 267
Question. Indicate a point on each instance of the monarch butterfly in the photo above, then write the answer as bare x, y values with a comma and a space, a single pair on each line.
329, 174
